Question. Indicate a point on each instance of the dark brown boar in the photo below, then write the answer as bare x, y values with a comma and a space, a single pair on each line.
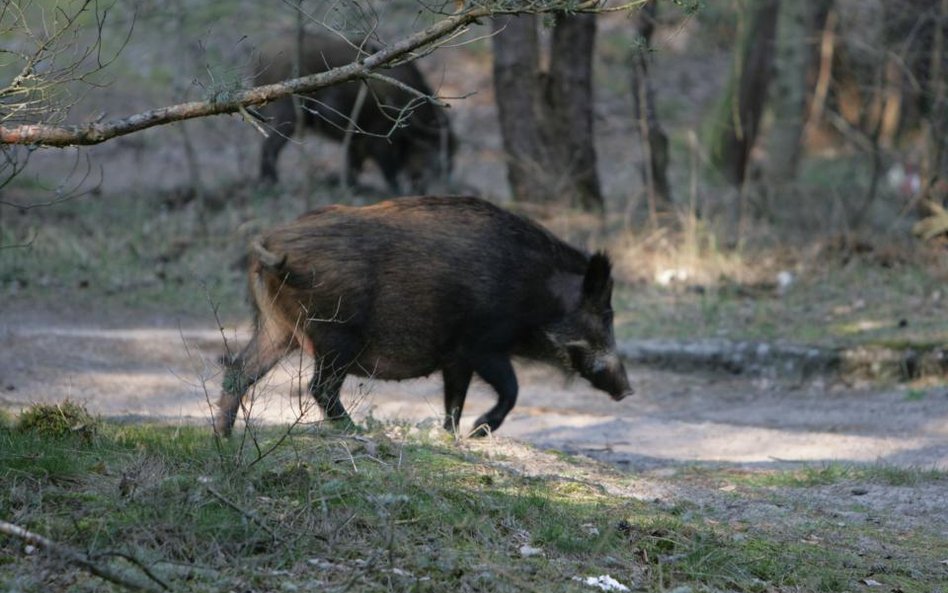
411, 286
401, 132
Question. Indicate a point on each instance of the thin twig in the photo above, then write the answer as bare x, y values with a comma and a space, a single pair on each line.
407, 88
252, 121
248, 514
262, 453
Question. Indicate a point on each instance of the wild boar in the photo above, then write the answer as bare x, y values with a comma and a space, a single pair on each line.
400, 131
411, 286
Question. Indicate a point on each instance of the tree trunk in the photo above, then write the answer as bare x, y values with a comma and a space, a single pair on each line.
935, 160
546, 118
789, 92
517, 92
653, 137
570, 106
735, 122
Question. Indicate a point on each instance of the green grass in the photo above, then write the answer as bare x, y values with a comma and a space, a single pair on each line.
824, 474
392, 513
137, 252
856, 304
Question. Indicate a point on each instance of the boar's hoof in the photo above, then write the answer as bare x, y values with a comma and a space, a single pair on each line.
344, 424
480, 432
221, 430
483, 428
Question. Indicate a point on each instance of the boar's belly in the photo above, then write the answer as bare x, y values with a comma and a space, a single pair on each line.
393, 368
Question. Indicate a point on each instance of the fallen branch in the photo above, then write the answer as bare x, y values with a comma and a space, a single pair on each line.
74, 557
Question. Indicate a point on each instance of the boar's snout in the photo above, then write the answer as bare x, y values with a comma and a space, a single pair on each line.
604, 371
613, 381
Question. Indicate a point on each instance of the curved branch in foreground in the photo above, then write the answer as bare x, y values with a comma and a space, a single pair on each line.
73, 557
234, 101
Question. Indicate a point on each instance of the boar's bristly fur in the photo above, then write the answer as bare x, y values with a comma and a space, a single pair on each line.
411, 286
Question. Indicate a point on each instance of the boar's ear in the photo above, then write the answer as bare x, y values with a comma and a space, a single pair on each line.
597, 284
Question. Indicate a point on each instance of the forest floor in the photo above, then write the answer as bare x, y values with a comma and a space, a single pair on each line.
705, 430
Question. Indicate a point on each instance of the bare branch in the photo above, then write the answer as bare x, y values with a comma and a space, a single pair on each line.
62, 192
233, 101
45, 53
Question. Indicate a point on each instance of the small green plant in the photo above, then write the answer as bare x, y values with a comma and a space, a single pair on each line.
65, 418
6, 420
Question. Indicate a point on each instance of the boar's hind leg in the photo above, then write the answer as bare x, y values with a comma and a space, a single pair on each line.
326, 392
457, 378
256, 359
328, 377
498, 372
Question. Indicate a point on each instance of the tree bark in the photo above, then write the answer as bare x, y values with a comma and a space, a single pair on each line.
519, 107
546, 118
653, 137
735, 123
935, 161
571, 104
789, 91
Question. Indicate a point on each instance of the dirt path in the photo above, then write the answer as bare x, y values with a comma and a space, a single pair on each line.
152, 367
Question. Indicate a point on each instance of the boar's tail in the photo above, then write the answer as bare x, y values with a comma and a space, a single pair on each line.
266, 257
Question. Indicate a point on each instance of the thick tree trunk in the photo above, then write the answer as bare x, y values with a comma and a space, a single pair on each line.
571, 105
789, 93
935, 161
653, 137
735, 123
519, 105
546, 119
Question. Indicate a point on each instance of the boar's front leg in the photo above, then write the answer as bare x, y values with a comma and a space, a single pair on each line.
498, 372
457, 379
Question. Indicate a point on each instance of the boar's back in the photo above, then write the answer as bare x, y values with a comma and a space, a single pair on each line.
414, 278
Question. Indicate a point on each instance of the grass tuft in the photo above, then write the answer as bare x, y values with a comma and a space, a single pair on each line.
57, 420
